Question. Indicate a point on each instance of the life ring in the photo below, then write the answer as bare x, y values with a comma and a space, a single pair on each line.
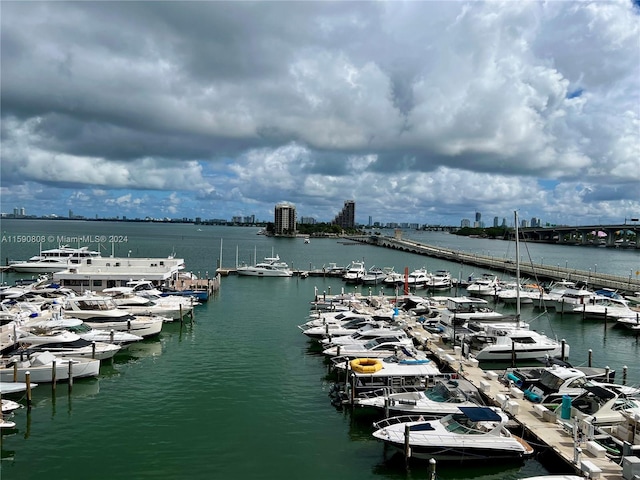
366, 365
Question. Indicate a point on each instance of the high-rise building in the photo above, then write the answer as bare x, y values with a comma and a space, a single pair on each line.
285, 219
347, 217
495, 221
465, 223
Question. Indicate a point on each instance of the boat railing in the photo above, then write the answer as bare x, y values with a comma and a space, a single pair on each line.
396, 420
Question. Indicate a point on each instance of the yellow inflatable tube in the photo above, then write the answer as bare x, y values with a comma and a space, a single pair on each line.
366, 365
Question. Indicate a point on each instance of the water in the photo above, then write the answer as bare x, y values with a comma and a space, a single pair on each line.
240, 393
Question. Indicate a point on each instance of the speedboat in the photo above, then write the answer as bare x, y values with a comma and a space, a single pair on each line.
601, 404
8, 388
601, 307
363, 335
77, 326
473, 434
376, 348
269, 267
439, 400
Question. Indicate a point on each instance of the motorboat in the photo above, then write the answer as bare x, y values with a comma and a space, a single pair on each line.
487, 284
602, 307
376, 348
9, 406
548, 385
102, 313
54, 260
363, 335
394, 279
40, 365
507, 343
632, 323
126, 299
269, 267
63, 343
600, 404
527, 293
418, 278
440, 280
573, 298
84, 331
374, 276
473, 434
355, 272
338, 328
436, 401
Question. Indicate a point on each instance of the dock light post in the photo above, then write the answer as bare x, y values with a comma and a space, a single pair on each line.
595, 268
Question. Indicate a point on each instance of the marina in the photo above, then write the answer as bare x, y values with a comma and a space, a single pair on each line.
218, 360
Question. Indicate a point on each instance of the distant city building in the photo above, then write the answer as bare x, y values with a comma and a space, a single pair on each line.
250, 219
347, 217
465, 223
523, 223
504, 222
495, 221
308, 220
370, 221
535, 222
236, 219
285, 219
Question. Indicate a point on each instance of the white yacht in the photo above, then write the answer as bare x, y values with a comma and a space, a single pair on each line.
471, 434
65, 344
355, 272
487, 284
104, 314
269, 267
54, 260
40, 366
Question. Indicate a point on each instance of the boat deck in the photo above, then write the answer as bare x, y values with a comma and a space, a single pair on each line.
536, 420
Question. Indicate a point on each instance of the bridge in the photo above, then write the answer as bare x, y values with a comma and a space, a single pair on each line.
622, 235
546, 272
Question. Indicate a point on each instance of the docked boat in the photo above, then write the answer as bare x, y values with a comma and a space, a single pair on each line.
102, 313
63, 343
440, 280
40, 367
503, 343
486, 285
364, 335
602, 307
473, 434
54, 260
443, 398
600, 405
376, 348
84, 331
269, 267
374, 276
418, 278
632, 323
355, 272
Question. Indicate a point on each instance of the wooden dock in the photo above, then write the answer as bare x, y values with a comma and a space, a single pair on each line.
534, 419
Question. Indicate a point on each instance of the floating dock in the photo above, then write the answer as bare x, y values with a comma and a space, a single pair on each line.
586, 458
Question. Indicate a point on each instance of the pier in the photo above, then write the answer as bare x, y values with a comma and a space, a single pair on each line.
548, 272
585, 457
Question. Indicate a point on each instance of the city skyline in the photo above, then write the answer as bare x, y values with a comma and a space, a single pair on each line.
419, 111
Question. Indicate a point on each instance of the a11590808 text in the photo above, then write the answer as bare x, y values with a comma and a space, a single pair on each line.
64, 239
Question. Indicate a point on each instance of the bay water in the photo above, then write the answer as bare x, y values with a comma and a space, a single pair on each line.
240, 393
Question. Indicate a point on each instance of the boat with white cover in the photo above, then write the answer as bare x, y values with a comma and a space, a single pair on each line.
63, 343
40, 366
471, 435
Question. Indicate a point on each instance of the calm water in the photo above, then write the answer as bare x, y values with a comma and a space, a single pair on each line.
240, 393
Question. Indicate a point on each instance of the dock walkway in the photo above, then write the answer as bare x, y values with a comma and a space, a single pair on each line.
532, 418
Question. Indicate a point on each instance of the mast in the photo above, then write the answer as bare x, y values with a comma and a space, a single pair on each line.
515, 216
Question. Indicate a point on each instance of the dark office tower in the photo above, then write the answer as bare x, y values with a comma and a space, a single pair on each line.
285, 219
347, 217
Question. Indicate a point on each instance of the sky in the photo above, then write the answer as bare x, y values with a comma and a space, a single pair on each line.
421, 112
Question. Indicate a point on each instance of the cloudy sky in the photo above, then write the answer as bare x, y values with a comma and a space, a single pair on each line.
421, 112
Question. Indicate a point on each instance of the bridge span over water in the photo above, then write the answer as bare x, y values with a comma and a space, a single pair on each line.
544, 272
622, 235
